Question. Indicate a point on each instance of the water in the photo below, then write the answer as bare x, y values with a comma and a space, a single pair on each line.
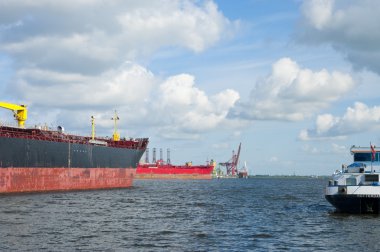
257, 214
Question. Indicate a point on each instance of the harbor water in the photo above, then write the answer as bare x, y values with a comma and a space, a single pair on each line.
256, 214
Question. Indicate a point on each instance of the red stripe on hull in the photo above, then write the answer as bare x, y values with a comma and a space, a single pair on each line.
14, 180
174, 172
173, 176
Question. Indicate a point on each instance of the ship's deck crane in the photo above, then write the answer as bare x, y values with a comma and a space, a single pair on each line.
20, 112
231, 165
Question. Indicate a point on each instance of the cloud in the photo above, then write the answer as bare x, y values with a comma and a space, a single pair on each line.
94, 36
126, 85
351, 27
73, 59
183, 23
318, 12
174, 107
292, 93
189, 108
357, 119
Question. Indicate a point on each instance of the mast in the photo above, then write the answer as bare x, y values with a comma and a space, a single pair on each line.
116, 135
92, 127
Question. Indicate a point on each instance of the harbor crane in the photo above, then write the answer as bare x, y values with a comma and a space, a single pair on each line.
20, 112
231, 165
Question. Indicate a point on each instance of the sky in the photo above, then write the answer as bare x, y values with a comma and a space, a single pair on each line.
295, 82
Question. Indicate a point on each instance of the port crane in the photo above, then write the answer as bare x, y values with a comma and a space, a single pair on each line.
231, 165
20, 112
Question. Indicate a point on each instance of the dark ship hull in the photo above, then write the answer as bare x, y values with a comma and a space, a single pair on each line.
355, 204
42, 160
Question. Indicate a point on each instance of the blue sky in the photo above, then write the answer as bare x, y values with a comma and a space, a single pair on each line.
294, 81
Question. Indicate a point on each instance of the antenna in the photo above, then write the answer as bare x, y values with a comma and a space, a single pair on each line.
116, 135
92, 127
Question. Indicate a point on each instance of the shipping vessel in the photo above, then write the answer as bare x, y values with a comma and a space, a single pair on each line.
356, 187
165, 170
243, 172
40, 159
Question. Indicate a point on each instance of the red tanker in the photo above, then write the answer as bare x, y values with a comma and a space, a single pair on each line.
162, 170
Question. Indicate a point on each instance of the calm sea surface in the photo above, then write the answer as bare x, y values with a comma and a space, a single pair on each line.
258, 214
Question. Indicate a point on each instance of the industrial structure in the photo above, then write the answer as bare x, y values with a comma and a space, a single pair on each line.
20, 112
231, 165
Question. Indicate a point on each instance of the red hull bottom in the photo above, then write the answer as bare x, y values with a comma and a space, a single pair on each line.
13, 180
173, 172
173, 176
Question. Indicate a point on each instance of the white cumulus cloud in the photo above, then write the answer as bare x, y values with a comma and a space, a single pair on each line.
69, 62
182, 24
94, 36
189, 108
359, 118
349, 26
319, 12
293, 93
174, 107
126, 85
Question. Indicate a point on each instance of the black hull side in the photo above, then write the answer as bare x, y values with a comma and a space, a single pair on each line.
354, 204
20, 152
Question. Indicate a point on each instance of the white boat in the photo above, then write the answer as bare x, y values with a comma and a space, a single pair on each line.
356, 187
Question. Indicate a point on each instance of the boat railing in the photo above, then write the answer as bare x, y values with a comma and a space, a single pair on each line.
56, 136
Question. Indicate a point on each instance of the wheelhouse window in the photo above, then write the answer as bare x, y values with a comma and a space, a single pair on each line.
365, 157
372, 178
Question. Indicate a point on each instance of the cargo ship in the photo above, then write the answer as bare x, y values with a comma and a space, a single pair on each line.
165, 170
40, 159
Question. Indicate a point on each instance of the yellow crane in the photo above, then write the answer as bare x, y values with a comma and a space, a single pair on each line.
20, 112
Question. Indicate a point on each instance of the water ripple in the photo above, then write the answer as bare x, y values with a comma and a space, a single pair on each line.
259, 214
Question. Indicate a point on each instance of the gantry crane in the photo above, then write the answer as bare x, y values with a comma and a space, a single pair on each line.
231, 165
20, 112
